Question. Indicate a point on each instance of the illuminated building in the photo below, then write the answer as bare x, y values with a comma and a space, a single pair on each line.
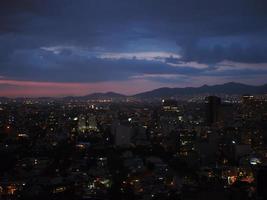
170, 105
187, 141
87, 124
82, 124
92, 124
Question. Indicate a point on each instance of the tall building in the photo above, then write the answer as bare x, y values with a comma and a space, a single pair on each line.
87, 123
92, 124
82, 124
186, 142
213, 105
169, 116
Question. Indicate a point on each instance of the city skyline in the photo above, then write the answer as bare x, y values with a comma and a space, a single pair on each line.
80, 47
133, 99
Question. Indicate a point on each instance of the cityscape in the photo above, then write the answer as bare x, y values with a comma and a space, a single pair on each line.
133, 100
202, 147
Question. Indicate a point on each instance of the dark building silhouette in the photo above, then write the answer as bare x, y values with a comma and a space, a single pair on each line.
262, 182
213, 105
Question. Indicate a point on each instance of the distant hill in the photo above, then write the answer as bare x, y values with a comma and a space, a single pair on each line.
107, 95
227, 88
99, 96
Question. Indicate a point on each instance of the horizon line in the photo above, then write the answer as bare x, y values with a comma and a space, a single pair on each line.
131, 95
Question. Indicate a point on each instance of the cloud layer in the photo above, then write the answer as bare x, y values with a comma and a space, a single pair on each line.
157, 43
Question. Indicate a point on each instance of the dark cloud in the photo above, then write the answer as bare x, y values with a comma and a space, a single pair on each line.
206, 32
252, 52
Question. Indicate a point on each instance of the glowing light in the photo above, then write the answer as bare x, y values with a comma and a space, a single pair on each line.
254, 161
231, 179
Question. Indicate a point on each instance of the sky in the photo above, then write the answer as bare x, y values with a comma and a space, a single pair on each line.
77, 47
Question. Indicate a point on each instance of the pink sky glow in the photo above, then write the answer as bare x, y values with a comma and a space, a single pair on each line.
14, 88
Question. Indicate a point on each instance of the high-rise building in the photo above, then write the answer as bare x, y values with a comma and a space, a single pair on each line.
186, 142
82, 124
92, 124
213, 105
87, 124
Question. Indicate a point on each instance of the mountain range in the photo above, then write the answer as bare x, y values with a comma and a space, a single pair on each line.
98, 96
230, 88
